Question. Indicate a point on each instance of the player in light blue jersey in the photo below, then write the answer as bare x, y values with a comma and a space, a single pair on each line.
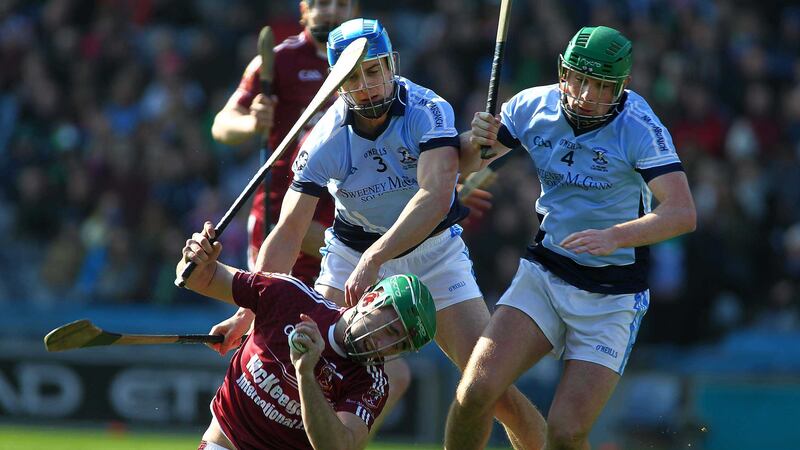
601, 155
387, 151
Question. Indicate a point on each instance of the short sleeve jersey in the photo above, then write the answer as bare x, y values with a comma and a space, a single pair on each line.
372, 180
590, 180
258, 405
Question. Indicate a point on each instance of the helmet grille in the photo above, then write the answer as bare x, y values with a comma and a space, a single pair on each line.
336, 35
613, 48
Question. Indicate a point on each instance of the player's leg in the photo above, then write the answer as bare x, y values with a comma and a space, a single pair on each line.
442, 262
600, 333
510, 344
582, 392
214, 438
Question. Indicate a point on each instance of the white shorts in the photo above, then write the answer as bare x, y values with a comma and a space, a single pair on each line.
587, 326
205, 445
441, 262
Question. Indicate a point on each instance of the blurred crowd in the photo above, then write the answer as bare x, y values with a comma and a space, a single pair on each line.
107, 162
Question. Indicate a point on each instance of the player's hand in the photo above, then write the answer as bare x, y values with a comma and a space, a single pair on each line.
309, 338
363, 276
478, 201
203, 253
263, 109
232, 329
484, 129
594, 242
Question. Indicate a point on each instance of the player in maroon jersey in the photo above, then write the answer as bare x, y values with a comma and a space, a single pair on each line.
328, 386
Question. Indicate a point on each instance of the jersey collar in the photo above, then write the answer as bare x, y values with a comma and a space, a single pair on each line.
332, 340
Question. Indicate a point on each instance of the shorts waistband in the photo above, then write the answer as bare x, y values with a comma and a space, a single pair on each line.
435, 240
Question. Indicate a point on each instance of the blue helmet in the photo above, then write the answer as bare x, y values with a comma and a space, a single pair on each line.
378, 43
378, 46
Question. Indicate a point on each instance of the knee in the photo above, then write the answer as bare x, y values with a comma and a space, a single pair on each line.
512, 403
478, 393
566, 436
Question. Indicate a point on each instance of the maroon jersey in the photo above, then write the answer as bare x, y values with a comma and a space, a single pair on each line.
299, 73
258, 404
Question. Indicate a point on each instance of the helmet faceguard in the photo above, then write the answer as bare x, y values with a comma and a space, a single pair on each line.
380, 82
398, 302
600, 58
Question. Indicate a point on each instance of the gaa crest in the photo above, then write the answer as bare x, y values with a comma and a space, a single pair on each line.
600, 160
300, 162
406, 158
325, 377
372, 397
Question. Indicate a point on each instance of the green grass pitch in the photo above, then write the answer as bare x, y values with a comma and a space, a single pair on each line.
47, 438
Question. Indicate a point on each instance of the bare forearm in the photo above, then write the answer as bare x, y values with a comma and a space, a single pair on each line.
469, 156
279, 251
213, 281
314, 240
324, 428
662, 223
233, 128
418, 219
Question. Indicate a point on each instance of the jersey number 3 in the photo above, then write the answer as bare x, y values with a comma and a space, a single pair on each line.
381, 165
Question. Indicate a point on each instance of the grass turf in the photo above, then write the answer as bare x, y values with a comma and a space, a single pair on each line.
47, 438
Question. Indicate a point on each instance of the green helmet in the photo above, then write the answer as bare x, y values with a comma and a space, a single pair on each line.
413, 303
602, 53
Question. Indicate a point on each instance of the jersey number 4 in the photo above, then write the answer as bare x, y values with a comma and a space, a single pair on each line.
568, 158
381, 165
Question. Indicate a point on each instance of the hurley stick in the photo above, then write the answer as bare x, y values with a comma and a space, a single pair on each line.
344, 67
497, 62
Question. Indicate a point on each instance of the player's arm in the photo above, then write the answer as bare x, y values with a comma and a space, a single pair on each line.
314, 239
277, 254
281, 247
235, 123
437, 171
283, 244
327, 429
484, 130
675, 215
210, 278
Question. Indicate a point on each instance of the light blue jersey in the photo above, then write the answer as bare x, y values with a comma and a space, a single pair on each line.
372, 180
590, 180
